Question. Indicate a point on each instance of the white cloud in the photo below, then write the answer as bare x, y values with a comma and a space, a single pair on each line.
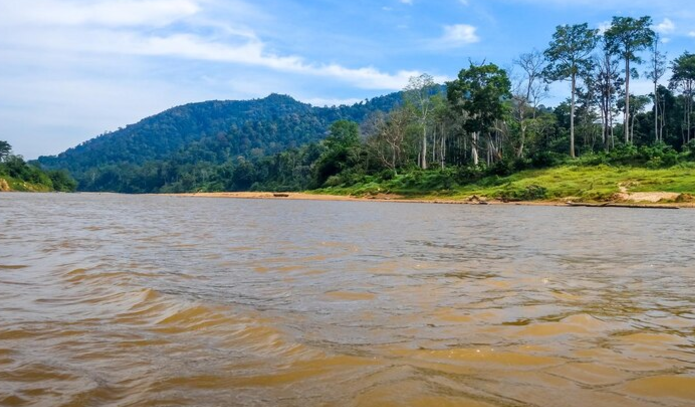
237, 50
92, 29
101, 13
459, 34
408, 2
665, 27
691, 34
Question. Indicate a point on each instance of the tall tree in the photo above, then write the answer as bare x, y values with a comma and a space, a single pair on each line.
626, 37
387, 137
637, 105
568, 55
5, 150
480, 93
528, 92
683, 77
657, 69
340, 154
418, 93
607, 81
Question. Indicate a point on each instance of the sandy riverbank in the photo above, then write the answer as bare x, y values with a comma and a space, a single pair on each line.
401, 199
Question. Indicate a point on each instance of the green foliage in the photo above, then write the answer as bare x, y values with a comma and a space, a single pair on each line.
341, 152
568, 53
343, 134
683, 69
481, 91
21, 176
5, 150
651, 156
627, 36
62, 181
522, 193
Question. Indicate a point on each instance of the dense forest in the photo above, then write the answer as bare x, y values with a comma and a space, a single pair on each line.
486, 122
17, 175
180, 148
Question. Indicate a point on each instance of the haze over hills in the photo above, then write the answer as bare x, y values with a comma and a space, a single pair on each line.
212, 132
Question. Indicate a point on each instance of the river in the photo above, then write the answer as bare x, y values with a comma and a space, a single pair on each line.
112, 300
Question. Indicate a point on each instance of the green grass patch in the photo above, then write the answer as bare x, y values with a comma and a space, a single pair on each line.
585, 183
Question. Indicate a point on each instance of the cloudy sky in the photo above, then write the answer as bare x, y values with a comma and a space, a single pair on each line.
72, 69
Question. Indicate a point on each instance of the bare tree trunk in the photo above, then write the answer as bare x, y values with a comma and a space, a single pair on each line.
474, 148
684, 124
424, 147
656, 111
574, 89
610, 115
627, 100
442, 155
663, 121
690, 108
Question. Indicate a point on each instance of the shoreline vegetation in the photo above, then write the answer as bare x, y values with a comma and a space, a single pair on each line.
550, 190
16, 175
567, 185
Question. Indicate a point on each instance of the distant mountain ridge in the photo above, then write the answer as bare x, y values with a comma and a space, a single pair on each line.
214, 131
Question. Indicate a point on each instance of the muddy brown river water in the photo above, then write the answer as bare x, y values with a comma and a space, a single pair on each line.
109, 300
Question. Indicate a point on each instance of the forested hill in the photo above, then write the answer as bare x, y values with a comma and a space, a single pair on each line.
213, 131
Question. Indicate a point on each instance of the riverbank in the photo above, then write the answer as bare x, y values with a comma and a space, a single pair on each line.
8, 184
470, 200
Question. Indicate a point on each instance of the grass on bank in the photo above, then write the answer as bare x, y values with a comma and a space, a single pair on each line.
12, 184
582, 183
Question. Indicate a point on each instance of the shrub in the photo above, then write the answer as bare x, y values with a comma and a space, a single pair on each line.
523, 193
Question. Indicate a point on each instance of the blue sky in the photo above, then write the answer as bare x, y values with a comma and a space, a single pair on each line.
72, 69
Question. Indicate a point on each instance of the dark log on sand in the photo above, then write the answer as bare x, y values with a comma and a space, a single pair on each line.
621, 205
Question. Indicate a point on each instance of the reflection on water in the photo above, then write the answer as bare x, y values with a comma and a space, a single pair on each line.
161, 301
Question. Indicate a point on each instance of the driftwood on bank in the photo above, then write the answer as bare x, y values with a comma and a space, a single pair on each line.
476, 199
620, 205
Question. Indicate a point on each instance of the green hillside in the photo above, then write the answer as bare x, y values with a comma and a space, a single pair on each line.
213, 132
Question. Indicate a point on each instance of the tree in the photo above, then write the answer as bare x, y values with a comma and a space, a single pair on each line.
343, 134
5, 150
657, 69
418, 93
683, 77
528, 92
341, 143
637, 106
480, 94
626, 37
568, 56
607, 81
387, 141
